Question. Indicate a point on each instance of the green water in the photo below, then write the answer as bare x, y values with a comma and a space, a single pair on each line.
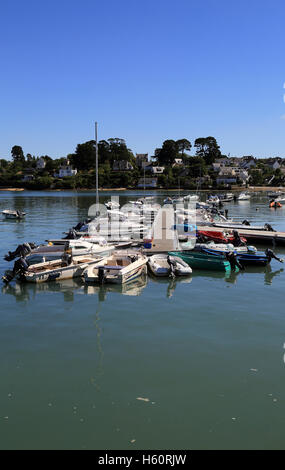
206, 352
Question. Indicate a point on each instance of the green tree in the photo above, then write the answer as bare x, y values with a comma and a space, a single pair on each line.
167, 153
207, 148
182, 145
18, 155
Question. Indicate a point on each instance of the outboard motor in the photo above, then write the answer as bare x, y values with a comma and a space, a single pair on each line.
269, 228
79, 226
20, 267
270, 255
71, 235
101, 275
234, 262
173, 265
237, 240
133, 258
21, 251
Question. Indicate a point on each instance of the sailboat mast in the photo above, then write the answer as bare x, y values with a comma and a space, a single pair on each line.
97, 194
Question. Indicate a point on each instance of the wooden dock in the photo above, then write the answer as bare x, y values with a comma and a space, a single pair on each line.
265, 237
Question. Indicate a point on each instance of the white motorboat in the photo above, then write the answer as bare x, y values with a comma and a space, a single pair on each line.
244, 197
163, 265
213, 200
77, 248
67, 267
10, 214
191, 198
112, 205
118, 268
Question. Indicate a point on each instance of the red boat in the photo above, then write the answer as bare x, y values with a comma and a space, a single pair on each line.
220, 237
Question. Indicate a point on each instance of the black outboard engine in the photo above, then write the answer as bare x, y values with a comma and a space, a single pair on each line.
237, 240
269, 228
133, 258
101, 275
270, 255
234, 262
173, 265
21, 251
71, 235
20, 267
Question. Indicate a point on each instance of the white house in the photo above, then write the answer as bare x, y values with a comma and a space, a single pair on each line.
177, 162
66, 170
157, 170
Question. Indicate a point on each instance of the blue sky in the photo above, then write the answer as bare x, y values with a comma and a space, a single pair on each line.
145, 70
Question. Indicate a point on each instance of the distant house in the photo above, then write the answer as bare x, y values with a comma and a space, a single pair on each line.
141, 158
274, 164
242, 175
41, 163
216, 166
178, 162
226, 176
122, 165
157, 170
225, 161
28, 175
146, 166
65, 170
247, 162
147, 183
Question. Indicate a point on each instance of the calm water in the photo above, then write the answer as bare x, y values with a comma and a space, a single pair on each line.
206, 352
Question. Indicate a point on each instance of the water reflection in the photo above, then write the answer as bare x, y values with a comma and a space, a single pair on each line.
133, 288
171, 283
24, 292
269, 274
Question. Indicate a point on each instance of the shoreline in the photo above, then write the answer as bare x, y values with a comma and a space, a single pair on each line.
238, 188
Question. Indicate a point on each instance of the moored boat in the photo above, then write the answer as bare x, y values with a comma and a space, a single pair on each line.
118, 268
243, 197
67, 267
10, 214
163, 265
198, 260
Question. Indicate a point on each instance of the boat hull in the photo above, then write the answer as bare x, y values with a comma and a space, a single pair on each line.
57, 274
203, 261
115, 274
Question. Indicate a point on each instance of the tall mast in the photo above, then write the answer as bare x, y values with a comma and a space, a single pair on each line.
97, 194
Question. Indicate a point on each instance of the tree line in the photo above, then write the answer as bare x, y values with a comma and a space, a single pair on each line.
84, 159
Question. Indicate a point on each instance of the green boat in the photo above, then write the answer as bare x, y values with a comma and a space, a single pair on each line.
199, 260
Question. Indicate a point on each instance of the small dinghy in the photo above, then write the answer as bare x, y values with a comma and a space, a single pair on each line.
118, 268
163, 265
10, 214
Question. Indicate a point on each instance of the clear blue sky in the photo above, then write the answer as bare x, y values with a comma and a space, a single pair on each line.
146, 70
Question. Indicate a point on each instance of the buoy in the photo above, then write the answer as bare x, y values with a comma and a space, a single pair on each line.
275, 204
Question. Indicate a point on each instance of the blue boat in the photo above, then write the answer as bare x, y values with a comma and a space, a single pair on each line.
247, 259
